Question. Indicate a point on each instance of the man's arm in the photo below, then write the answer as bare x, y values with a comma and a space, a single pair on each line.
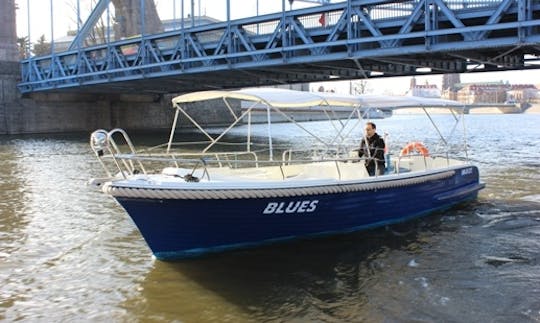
379, 150
361, 149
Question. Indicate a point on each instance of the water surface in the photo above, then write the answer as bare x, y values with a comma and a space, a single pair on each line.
68, 253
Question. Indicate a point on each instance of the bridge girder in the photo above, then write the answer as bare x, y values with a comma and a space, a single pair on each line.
347, 40
129, 20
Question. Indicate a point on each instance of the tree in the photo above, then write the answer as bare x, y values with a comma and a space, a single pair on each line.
23, 44
98, 33
41, 47
359, 87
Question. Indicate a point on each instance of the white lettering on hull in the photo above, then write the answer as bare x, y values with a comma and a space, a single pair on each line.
466, 171
306, 206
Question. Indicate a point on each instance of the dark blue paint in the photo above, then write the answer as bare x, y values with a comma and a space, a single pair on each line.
186, 228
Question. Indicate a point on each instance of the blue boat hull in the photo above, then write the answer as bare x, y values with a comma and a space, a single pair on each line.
181, 228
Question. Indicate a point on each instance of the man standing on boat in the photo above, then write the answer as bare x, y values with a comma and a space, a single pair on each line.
372, 148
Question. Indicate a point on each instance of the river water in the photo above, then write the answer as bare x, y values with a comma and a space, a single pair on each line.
68, 253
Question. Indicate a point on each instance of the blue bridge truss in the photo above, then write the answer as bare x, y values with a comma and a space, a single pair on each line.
338, 41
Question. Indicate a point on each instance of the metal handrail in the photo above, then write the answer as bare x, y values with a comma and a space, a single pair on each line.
130, 168
101, 141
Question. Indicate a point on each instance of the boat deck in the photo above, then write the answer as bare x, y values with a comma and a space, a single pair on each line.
319, 171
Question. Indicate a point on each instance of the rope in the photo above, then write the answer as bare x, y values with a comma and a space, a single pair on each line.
191, 194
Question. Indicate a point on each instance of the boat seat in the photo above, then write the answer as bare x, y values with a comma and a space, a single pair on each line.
414, 163
351, 171
322, 170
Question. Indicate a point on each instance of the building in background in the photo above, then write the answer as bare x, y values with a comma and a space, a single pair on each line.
492, 92
520, 96
522, 93
423, 90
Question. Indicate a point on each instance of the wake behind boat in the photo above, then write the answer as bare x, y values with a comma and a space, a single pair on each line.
222, 196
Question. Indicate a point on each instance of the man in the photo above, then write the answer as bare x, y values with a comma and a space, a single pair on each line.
372, 148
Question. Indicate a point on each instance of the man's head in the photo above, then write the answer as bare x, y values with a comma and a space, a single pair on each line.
370, 129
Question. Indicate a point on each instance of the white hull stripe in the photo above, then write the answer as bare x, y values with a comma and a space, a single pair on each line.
185, 194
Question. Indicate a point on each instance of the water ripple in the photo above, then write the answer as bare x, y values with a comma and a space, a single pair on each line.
68, 253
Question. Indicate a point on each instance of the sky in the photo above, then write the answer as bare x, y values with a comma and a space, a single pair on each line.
400, 85
65, 13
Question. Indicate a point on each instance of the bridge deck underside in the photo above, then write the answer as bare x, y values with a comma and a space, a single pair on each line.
355, 41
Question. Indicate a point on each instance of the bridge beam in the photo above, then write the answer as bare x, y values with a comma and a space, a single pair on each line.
352, 39
129, 19
89, 24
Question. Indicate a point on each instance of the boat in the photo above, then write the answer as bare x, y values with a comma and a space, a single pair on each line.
189, 199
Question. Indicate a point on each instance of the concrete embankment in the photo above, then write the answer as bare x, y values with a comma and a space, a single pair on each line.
81, 112
44, 113
55, 113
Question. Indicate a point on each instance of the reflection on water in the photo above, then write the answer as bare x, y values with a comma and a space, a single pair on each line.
432, 269
68, 253
310, 279
12, 218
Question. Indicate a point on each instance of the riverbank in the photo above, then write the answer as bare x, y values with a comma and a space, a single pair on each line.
534, 109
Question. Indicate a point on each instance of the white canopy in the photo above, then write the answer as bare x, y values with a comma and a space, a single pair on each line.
391, 101
279, 98
283, 98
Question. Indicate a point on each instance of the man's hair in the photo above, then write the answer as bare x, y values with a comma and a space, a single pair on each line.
372, 125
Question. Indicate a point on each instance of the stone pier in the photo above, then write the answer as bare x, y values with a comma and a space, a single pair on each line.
47, 113
9, 66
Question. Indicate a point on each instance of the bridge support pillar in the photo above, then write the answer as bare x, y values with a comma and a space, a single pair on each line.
47, 113
9, 76
9, 65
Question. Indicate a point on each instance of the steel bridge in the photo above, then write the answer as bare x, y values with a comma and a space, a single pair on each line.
334, 41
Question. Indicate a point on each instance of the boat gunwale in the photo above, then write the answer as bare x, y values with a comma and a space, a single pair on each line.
308, 187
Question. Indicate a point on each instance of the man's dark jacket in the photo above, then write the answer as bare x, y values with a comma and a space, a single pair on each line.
376, 152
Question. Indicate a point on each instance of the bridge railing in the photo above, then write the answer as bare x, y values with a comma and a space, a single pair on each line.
345, 30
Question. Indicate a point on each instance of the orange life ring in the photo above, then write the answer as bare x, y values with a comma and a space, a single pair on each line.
412, 146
